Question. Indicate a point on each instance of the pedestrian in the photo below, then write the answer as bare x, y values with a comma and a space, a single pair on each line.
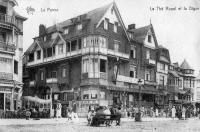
183, 112
156, 112
173, 112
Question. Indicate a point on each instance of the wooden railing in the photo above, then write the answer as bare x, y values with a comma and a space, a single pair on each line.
6, 46
9, 19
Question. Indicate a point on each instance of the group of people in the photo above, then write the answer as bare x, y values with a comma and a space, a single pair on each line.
181, 112
108, 112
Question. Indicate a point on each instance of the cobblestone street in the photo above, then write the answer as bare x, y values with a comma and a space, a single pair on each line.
127, 125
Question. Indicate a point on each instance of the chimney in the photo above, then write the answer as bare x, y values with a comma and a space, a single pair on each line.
131, 26
42, 29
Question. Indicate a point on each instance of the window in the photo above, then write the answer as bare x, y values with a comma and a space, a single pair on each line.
133, 52
93, 94
115, 27
64, 72
60, 49
147, 54
49, 52
106, 24
41, 75
79, 43
85, 65
53, 74
162, 66
39, 54
31, 57
66, 31
102, 65
74, 45
84, 42
132, 71
79, 26
15, 67
116, 45
162, 80
147, 75
86, 96
149, 38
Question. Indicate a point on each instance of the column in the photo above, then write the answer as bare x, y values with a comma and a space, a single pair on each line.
4, 101
11, 100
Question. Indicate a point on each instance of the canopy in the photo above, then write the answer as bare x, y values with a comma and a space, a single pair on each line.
36, 99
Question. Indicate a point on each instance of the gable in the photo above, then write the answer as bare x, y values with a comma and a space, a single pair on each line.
114, 16
152, 43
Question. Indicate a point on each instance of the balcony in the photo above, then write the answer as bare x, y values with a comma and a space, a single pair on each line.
32, 83
150, 83
122, 78
150, 61
97, 75
6, 76
118, 54
80, 52
6, 19
51, 80
7, 47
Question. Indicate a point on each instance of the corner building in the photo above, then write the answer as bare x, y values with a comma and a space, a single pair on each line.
11, 52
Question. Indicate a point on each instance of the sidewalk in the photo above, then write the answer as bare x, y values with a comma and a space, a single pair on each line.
65, 121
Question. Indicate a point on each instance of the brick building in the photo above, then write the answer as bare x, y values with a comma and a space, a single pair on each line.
93, 59
11, 52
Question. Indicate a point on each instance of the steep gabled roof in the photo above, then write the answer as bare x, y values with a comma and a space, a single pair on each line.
185, 65
141, 33
94, 16
31, 49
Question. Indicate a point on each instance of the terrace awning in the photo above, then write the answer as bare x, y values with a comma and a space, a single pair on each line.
36, 99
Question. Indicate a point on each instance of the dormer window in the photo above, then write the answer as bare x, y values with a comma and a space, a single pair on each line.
106, 24
79, 26
149, 38
66, 31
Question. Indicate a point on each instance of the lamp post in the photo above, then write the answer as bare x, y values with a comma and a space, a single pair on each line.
138, 115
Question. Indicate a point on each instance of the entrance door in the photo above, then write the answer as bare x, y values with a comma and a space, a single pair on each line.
1, 101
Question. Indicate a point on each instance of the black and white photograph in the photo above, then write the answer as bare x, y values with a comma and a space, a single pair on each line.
99, 65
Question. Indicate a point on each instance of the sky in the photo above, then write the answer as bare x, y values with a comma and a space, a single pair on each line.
176, 22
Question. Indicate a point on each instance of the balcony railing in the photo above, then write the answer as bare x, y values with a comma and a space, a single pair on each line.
6, 46
150, 61
9, 19
6, 76
83, 51
51, 80
122, 78
150, 83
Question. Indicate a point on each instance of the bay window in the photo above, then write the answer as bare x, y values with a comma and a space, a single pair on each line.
85, 65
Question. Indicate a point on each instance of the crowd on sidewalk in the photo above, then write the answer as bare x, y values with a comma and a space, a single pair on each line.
181, 112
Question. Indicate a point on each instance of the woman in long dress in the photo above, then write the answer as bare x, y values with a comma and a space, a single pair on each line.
173, 112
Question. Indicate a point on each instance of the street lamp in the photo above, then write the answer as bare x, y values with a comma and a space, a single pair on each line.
138, 115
